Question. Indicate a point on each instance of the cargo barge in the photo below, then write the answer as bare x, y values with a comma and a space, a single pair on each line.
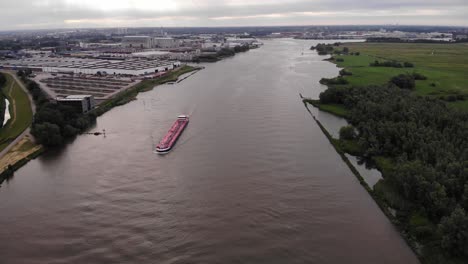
169, 140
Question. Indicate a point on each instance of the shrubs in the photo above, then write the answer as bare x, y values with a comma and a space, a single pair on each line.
404, 81
348, 133
334, 81
393, 64
344, 72
408, 65
339, 60
419, 77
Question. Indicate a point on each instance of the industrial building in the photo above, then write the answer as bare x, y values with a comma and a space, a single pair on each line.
100, 87
83, 103
144, 42
147, 42
91, 66
165, 43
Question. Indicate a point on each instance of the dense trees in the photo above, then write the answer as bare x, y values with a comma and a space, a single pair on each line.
54, 123
427, 144
347, 133
454, 229
323, 49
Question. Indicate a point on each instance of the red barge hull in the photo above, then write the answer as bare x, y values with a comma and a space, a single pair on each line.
169, 140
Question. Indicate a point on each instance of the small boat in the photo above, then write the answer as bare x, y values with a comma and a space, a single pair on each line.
169, 140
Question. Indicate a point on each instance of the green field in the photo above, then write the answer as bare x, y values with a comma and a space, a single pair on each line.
20, 111
445, 65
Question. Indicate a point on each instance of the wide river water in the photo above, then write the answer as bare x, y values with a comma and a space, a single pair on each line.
252, 179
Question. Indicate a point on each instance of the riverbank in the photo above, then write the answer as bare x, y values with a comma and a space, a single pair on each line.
342, 150
415, 192
144, 86
250, 139
20, 154
26, 149
20, 111
17, 146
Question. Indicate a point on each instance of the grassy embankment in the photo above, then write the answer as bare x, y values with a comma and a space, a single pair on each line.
21, 118
444, 65
146, 85
20, 111
22, 152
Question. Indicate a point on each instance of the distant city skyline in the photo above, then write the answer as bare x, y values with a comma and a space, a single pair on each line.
50, 14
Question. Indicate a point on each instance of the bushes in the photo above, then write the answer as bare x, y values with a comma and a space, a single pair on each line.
348, 133
334, 81
344, 72
339, 60
393, 64
408, 65
404, 81
419, 77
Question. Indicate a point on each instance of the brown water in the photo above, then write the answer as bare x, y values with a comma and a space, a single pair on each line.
252, 179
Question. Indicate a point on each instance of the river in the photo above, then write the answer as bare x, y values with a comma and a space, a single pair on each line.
252, 179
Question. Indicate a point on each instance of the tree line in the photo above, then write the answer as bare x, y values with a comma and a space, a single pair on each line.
427, 144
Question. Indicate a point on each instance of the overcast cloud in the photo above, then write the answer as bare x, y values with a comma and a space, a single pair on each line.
37, 14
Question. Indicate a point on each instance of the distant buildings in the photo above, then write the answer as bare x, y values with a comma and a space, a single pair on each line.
83, 103
147, 42
144, 42
91, 66
165, 43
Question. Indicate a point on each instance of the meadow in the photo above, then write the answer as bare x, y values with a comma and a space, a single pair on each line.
444, 65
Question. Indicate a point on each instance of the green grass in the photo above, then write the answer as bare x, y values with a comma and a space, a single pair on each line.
335, 109
20, 111
445, 65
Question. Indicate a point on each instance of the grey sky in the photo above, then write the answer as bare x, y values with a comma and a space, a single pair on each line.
35, 14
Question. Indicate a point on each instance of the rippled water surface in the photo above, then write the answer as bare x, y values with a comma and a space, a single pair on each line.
252, 179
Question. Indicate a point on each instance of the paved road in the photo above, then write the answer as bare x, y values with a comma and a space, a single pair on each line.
33, 107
